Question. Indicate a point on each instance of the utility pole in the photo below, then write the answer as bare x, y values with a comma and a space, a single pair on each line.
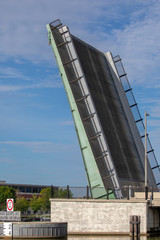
146, 186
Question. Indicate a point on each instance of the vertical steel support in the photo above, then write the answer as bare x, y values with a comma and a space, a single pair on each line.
146, 161
87, 192
94, 179
146, 192
152, 193
68, 191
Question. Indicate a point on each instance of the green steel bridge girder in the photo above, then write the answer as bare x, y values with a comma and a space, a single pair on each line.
94, 179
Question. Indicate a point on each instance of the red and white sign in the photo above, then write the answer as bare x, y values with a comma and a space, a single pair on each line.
10, 204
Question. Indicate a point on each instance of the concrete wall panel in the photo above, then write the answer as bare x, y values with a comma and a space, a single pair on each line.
98, 216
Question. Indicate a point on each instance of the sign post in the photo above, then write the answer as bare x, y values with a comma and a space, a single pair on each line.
10, 204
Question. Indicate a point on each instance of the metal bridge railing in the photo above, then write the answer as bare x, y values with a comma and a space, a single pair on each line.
128, 192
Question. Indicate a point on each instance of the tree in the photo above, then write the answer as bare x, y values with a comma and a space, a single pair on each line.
21, 204
35, 203
5, 193
45, 196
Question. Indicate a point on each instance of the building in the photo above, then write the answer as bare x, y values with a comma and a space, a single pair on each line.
27, 190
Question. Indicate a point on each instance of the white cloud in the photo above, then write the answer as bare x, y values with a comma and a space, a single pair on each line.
6, 160
44, 84
66, 123
11, 88
155, 111
131, 31
153, 86
154, 123
39, 147
23, 32
138, 43
150, 100
9, 72
152, 106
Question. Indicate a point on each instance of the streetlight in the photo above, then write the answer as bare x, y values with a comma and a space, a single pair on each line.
146, 187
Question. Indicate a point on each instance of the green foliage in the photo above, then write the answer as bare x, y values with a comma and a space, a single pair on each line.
45, 196
62, 193
35, 203
5, 193
21, 204
42, 202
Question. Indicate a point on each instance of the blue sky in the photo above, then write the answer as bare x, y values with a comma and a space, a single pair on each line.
38, 144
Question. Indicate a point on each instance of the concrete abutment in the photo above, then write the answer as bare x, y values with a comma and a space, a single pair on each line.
105, 217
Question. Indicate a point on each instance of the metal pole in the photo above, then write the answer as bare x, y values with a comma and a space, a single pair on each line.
107, 193
87, 192
145, 149
128, 192
152, 192
67, 191
12, 231
146, 187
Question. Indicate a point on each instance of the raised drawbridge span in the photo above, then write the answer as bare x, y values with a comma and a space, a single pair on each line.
110, 142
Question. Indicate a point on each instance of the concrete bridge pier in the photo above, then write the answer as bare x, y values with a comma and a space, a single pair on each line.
106, 217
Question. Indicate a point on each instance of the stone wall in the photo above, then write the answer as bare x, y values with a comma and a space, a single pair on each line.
99, 216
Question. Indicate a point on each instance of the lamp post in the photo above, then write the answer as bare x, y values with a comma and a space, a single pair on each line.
146, 187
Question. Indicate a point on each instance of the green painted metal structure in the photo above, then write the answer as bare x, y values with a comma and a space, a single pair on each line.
94, 178
110, 143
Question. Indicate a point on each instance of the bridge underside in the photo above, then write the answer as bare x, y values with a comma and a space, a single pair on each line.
101, 113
